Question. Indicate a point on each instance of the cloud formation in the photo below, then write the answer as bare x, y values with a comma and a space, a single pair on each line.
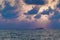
37, 14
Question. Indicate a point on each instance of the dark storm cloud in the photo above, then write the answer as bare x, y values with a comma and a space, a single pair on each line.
56, 15
33, 11
58, 5
8, 12
55, 24
49, 10
37, 16
35, 2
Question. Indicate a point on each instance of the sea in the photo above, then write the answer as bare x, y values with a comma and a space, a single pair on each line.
35, 34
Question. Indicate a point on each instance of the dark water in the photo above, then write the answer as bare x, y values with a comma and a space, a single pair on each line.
29, 34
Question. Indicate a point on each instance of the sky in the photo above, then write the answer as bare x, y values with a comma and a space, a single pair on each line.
29, 14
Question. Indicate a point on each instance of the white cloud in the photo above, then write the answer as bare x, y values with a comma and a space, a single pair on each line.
2, 4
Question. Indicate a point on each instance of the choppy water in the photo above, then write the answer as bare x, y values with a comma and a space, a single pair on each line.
30, 34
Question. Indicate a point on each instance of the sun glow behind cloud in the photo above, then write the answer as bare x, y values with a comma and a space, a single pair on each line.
22, 8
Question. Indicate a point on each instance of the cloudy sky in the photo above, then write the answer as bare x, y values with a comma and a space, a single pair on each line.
32, 14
